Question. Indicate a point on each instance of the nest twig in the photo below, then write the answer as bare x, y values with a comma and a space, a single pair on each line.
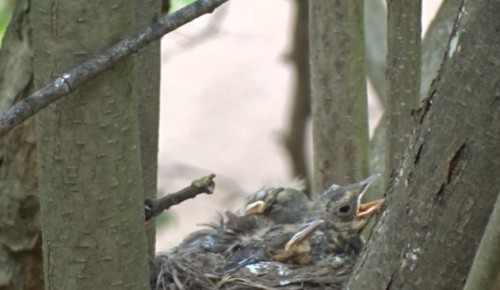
181, 271
155, 207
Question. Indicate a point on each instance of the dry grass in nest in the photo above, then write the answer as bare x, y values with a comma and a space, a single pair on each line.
195, 271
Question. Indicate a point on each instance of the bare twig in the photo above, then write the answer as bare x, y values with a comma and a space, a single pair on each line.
76, 77
376, 46
155, 207
187, 42
295, 138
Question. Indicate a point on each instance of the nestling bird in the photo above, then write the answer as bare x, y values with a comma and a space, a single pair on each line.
324, 257
268, 206
339, 206
293, 244
230, 229
344, 214
280, 205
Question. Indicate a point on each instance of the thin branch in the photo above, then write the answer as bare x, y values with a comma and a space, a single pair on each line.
376, 46
76, 77
155, 207
295, 138
213, 28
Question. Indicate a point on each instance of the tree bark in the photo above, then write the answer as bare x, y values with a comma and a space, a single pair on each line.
21, 266
338, 90
433, 49
147, 66
440, 201
484, 272
435, 41
403, 77
89, 152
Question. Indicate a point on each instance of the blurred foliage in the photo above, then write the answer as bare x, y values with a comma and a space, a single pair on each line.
178, 4
164, 219
6, 9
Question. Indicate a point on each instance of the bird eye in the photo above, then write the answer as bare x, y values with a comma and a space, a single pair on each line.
345, 209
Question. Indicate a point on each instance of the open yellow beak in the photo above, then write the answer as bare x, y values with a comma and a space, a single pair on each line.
303, 234
257, 207
369, 208
366, 209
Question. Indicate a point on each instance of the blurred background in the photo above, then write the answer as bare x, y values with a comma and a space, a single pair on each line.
226, 96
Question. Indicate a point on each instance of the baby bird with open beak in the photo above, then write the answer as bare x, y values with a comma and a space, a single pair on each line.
344, 214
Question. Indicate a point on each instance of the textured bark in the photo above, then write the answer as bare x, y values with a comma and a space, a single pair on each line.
147, 88
376, 46
440, 201
338, 90
433, 49
88, 151
295, 139
21, 266
403, 77
435, 41
484, 272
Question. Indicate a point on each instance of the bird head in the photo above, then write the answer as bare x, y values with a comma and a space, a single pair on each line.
343, 209
281, 205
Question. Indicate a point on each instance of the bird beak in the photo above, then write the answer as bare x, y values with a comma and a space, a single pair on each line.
303, 234
367, 209
257, 207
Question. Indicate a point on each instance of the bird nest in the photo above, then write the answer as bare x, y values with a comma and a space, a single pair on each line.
263, 247
196, 271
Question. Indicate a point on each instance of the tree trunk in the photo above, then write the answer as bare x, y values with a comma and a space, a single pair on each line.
484, 273
338, 90
89, 152
433, 49
403, 77
21, 266
440, 201
147, 66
